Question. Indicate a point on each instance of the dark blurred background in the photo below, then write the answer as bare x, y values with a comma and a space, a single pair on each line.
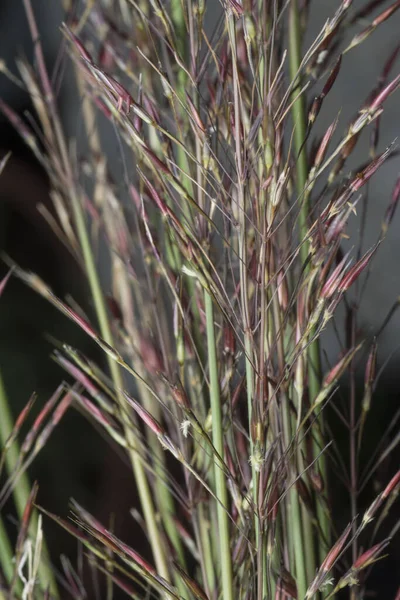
77, 462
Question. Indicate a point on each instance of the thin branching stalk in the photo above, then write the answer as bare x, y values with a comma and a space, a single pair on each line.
218, 441
101, 311
314, 368
6, 556
166, 503
21, 492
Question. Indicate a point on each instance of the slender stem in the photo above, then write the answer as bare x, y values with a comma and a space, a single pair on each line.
6, 554
295, 532
242, 252
91, 271
204, 534
297, 542
145, 496
352, 449
165, 502
314, 366
299, 547
178, 20
298, 112
218, 441
21, 493
308, 537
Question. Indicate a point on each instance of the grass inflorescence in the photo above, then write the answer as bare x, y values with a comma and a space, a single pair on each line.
226, 260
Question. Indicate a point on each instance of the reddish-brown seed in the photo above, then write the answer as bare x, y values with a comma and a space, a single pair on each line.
366, 174
335, 550
78, 45
62, 408
386, 14
356, 271
145, 416
391, 486
369, 556
384, 94
332, 283
319, 157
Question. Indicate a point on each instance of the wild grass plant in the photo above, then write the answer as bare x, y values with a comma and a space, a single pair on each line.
224, 239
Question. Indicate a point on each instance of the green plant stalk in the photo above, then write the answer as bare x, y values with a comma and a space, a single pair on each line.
300, 552
175, 262
165, 503
314, 367
308, 534
294, 530
164, 498
218, 441
266, 574
299, 547
272, 555
214, 531
173, 256
178, 20
21, 493
163, 493
297, 543
243, 256
100, 307
6, 556
146, 500
308, 523
204, 534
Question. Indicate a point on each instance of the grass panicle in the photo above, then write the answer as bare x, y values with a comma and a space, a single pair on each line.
224, 223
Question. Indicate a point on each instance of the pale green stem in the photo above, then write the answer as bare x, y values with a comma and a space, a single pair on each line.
155, 537
314, 367
308, 536
6, 555
297, 523
21, 493
145, 496
165, 501
294, 530
178, 20
204, 527
299, 547
242, 252
218, 441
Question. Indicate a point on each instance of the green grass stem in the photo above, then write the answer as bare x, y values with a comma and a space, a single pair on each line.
314, 366
21, 493
218, 441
